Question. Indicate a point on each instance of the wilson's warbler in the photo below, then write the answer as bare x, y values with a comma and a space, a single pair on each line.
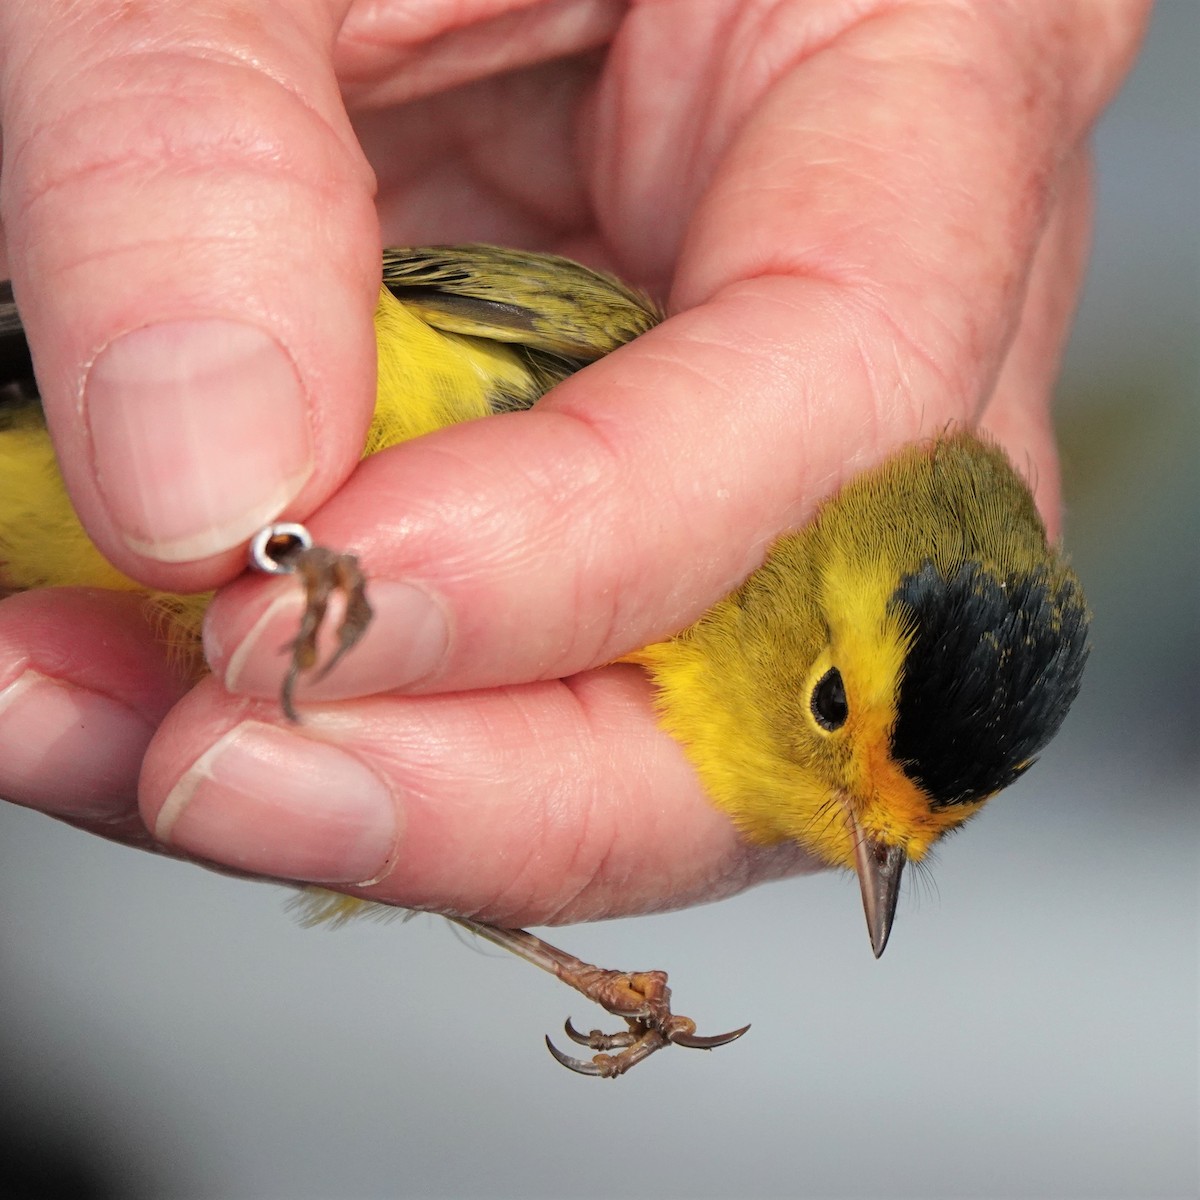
887, 670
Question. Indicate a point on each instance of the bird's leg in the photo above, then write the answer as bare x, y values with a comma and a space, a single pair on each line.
288, 549
641, 998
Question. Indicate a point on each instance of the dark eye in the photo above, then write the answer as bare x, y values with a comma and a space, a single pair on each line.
828, 702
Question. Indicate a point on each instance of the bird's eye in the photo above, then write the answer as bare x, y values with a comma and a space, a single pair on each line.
828, 702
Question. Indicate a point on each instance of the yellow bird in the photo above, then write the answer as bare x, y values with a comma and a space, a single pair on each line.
887, 670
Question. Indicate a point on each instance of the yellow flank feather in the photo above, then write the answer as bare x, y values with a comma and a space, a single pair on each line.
42, 543
428, 379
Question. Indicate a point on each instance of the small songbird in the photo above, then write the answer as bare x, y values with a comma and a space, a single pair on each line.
888, 669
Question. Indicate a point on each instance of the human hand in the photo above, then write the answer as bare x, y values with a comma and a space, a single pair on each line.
868, 227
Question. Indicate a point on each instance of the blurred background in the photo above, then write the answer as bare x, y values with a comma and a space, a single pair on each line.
1032, 1031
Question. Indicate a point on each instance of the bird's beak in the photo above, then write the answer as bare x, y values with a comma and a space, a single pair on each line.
879, 870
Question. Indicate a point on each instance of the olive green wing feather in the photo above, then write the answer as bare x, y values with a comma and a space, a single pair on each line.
560, 314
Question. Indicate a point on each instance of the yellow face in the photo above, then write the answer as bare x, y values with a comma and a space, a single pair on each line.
875, 796
848, 723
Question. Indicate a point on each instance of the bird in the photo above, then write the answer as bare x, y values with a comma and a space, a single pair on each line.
888, 669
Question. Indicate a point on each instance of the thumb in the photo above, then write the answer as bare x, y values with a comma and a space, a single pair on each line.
194, 251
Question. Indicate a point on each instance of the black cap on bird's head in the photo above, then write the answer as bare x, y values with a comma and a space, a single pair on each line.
991, 667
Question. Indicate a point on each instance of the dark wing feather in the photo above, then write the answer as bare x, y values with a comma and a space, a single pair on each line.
560, 314
17, 383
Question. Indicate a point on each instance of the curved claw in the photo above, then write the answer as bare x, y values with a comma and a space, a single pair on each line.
598, 1040
580, 1039
692, 1042
573, 1064
289, 550
349, 634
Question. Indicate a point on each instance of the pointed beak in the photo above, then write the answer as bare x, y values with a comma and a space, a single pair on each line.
879, 870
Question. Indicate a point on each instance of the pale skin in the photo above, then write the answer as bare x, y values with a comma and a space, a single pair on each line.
869, 221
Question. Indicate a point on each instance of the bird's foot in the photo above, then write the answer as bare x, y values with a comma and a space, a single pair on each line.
288, 549
643, 1000
640, 998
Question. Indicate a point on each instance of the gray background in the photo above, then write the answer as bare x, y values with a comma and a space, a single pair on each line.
1032, 1030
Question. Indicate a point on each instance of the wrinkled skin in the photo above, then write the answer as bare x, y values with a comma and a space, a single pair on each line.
868, 221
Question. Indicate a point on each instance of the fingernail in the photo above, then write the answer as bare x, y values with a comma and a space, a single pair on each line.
69, 751
278, 803
200, 435
405, 642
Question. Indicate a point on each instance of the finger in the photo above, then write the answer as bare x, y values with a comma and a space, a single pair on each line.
495, 161
194, 251
84, 684
1018, 414
451, 802
835, 152
392, 54
810, 346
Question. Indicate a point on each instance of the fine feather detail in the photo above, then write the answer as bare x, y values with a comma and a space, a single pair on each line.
316, 906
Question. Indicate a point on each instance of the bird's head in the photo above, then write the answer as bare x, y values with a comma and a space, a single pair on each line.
889, 668
934, 692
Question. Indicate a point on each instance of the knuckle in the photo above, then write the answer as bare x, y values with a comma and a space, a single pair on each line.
148, 122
